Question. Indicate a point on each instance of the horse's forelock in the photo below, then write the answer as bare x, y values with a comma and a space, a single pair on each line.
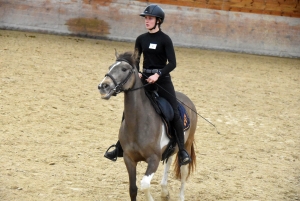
128, 56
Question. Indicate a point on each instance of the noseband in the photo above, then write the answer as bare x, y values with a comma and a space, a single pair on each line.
119, 87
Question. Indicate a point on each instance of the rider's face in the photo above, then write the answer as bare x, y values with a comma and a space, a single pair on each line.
150, 22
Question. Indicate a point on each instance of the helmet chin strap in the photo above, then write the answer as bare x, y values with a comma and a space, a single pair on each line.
154, 25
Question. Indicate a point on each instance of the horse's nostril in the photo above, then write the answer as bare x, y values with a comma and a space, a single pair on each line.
105, 86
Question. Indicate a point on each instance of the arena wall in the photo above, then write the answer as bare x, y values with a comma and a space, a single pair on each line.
265, 27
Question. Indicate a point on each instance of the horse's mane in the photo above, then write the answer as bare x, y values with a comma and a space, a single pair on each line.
129, 57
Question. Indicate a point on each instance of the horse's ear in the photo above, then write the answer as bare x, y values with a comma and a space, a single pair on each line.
116, 53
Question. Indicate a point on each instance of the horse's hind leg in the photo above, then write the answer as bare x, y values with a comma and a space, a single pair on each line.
184, 171
164, 181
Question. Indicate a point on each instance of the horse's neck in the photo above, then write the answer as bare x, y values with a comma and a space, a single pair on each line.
136, 103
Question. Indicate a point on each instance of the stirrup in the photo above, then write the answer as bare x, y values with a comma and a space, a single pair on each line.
112, 159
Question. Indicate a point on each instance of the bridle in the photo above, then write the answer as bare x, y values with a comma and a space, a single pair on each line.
119, 87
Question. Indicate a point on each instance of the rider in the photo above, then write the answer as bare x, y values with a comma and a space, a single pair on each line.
157, 49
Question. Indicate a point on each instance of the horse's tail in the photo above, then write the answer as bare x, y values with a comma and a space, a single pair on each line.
191, 165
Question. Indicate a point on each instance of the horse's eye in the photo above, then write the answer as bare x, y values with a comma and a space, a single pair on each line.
124, 69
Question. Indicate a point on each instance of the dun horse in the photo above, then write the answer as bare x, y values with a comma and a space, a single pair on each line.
142, 133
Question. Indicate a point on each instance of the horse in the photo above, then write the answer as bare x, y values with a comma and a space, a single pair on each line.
143, 133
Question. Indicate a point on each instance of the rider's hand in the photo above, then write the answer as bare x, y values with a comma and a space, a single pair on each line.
153, 78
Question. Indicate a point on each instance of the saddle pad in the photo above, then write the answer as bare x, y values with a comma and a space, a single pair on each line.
184, 116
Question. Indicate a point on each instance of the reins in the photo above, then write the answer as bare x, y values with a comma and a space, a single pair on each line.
118, 89
138, 87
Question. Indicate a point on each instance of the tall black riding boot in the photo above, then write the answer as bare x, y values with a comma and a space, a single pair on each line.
184, 157
114, 154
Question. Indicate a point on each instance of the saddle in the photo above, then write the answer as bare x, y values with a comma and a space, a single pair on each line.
166, 112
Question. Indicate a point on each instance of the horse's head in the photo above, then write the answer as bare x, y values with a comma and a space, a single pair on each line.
120, 77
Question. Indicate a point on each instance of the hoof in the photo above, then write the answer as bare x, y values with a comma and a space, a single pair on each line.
164, 192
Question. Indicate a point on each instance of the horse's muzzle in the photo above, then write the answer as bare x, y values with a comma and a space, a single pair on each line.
105, 91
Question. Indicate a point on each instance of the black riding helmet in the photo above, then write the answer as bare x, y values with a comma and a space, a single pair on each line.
155, 11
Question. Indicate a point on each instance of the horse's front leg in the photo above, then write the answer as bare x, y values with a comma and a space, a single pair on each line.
131, 169
164, 181
153, 163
